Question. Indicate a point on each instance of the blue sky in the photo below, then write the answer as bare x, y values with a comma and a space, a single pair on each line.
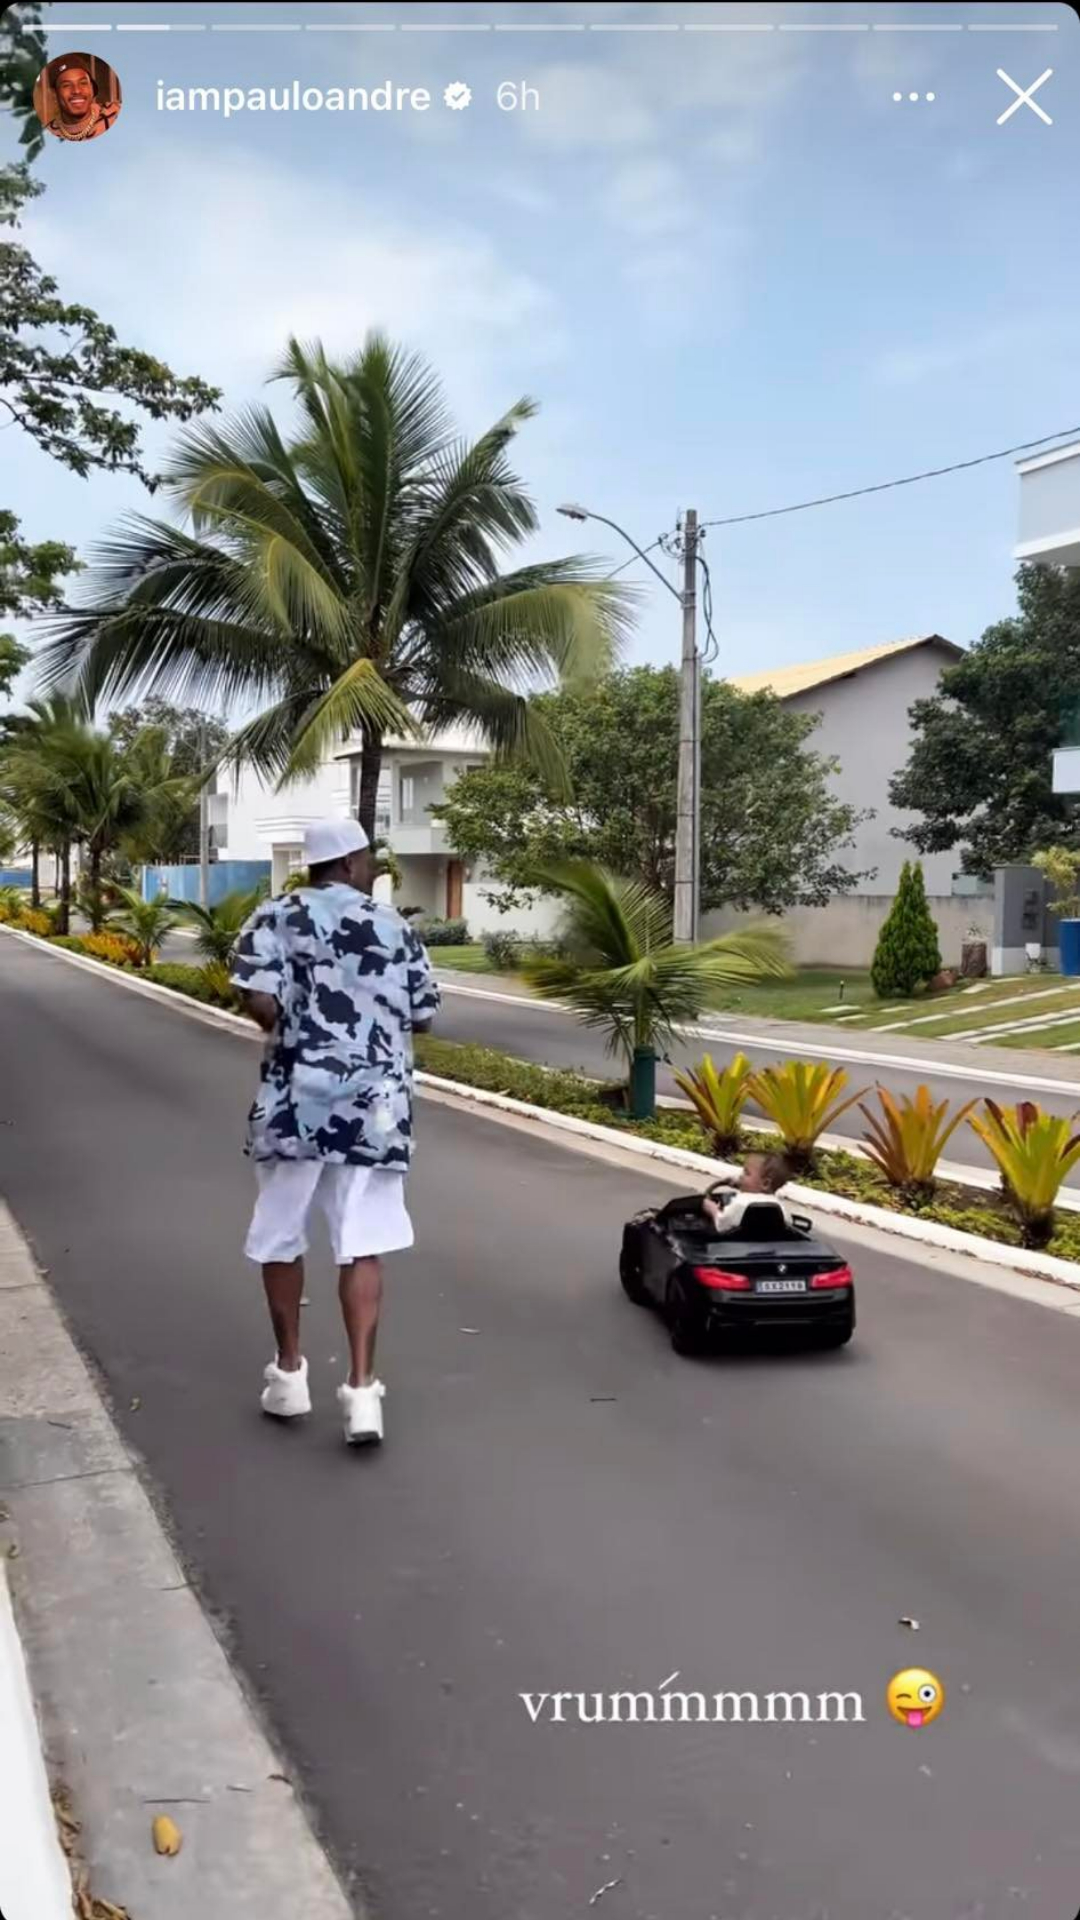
732, 269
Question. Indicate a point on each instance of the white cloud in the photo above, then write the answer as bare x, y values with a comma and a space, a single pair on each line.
589, 105
647, 197
267, 258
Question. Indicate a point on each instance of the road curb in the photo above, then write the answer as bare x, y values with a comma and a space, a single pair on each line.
1037, 1266
139, 1709
808, 1049
34, 1879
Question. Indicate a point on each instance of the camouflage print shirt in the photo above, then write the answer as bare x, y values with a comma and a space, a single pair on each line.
351, 979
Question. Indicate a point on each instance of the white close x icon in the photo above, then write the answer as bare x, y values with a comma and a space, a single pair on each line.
1023, 96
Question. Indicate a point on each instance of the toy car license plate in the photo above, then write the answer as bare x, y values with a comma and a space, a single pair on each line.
781, 1286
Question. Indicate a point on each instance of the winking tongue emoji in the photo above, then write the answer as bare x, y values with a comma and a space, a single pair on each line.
914, 1697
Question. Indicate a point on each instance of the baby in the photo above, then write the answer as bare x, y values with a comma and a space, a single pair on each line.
762, 1173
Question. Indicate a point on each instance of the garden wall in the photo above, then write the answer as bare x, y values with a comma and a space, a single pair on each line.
844, 933
182, 882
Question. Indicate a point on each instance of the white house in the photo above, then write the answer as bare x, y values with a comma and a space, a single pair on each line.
1050, 508
863, 701
253, 822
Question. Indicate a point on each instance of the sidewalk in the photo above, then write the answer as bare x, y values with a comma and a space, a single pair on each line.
138, 1708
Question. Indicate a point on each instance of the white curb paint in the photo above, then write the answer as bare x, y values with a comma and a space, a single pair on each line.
939, 1069
34, 1880
1043, 1266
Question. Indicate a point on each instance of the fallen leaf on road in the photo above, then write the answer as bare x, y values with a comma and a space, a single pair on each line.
136, 1403
13, 1552
606, 1888
906, 1620
283, 1777
602, 1399
239, 1789
468, 1329
167, 1836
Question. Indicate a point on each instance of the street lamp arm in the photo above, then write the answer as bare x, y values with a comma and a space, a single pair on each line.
584, 513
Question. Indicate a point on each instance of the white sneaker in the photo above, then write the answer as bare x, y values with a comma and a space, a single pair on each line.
286, 1394
362, 1408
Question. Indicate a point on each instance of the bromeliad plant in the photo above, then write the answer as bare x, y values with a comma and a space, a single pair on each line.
718, 1097
802, 1099
622, 974
908, 1137
1034, 1152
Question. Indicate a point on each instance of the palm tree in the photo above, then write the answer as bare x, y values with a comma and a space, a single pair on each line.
218, 927
621, 972
146, 922
344, 581
80, 789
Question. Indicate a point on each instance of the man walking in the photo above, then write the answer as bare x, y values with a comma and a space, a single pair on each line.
339, 983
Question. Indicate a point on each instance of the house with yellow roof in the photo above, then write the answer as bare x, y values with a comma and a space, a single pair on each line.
863, 702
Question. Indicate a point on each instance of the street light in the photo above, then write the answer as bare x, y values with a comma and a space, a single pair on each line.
688, 814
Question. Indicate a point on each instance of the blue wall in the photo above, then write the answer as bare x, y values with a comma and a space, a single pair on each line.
226, 876
16, 877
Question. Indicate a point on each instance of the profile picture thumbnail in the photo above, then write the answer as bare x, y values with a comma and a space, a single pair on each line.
77, 96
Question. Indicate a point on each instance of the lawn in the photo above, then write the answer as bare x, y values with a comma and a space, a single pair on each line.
845, 999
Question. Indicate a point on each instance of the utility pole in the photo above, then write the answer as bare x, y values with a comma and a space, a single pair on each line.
204, 826
687, 852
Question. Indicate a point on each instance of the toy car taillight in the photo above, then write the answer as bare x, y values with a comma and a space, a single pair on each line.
722, 1282
839, 1277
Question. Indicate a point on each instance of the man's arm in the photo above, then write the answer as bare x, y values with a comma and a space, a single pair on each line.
423, 988
263, 1009
258, 968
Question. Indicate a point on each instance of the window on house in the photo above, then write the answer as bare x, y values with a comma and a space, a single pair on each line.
408, 793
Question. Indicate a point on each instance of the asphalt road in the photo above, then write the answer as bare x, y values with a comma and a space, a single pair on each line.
546, 1035
561, 1505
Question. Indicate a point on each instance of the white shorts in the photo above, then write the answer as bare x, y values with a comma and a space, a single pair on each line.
364, 1206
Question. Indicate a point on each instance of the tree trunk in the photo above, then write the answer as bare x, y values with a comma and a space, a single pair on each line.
65, 887
94, 889
35, 874
370, 771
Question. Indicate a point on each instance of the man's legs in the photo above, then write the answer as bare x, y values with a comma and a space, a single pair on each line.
276, 1240
367, 1214
360, 1293
284, 1283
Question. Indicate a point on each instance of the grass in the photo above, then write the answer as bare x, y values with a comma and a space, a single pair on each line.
812, 993
461, 960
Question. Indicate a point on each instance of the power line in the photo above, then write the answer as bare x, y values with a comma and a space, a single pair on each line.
884, 486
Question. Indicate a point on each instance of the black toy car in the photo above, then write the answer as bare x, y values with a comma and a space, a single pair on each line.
760, 1270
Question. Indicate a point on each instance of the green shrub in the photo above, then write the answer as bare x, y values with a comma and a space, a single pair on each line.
71, 942
907, 953
503, 949
444, 933
181, 978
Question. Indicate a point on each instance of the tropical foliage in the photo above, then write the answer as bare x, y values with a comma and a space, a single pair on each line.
1034, 1152
345, 581
146, 923
980, 774
718, 1098
909, 1135
621, 972
218, 927
1061, 865
803, 1099
773, 829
